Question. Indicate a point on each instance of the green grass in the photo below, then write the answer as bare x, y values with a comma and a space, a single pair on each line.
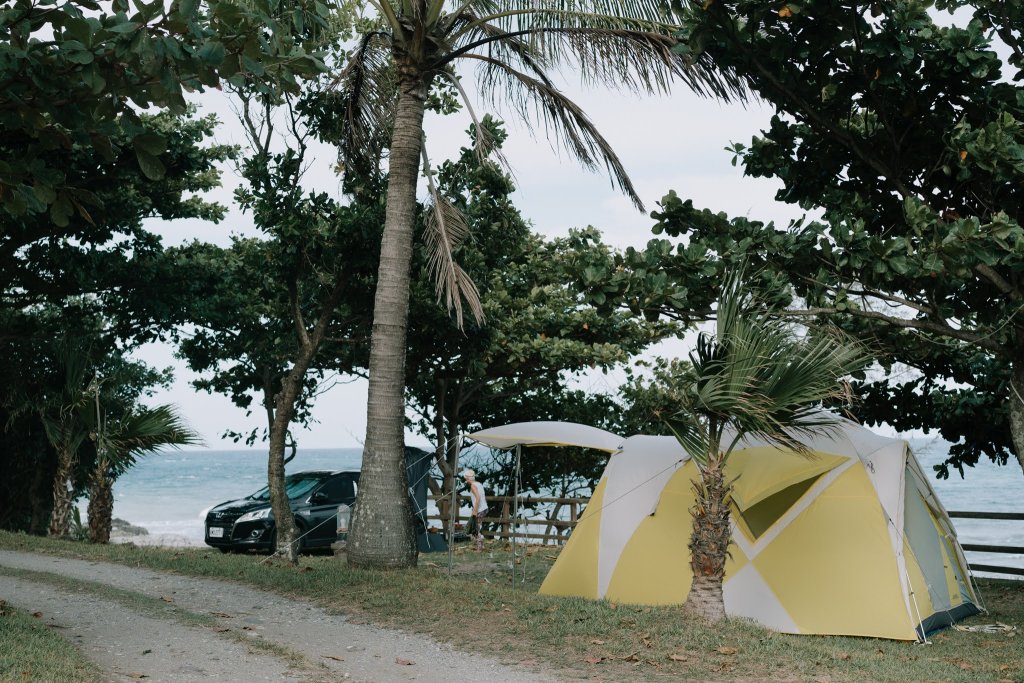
31, 651
478, 609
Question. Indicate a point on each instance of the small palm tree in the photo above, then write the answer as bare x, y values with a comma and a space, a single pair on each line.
118, 443
516, 47
62, 416
754, 378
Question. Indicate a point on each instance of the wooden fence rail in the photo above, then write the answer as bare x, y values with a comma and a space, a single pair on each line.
979, 547
558, 530
555, 529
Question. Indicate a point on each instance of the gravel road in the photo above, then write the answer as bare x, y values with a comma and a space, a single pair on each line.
131, 645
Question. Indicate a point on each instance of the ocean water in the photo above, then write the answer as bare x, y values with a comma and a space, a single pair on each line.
169, 493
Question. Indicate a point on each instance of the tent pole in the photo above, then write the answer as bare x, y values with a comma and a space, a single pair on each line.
515, 508
454, 501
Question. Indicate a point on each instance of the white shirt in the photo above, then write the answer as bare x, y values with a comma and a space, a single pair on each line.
478, 496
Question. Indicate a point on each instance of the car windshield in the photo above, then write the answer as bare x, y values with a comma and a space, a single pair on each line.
296, 485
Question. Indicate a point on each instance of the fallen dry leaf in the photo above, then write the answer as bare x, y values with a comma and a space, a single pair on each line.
678, 658
37, 615
843, 655
593, 660
646, 640
551, 609
404, 662
612, 605
137, 676
726, 650
166, 599
597, 642
632, 658
334, 657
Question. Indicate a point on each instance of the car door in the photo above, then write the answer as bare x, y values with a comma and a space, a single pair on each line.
323, 510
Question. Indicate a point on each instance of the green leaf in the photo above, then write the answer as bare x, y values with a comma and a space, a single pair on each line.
212, 52
125, 27
150, 165
187, 8
150, 143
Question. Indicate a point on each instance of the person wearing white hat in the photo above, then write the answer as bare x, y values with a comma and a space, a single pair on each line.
478, 499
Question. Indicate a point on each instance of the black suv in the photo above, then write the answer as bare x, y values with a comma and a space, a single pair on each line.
248, 523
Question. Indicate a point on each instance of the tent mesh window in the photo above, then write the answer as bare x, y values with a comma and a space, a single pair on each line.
760, 517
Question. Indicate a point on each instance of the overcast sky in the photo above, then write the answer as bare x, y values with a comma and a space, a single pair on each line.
670, 143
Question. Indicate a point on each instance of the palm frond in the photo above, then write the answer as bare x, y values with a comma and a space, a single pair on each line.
563, 119
366, 90
691, 436
617, 44
446, 229
143, 431
483, 142
756, 375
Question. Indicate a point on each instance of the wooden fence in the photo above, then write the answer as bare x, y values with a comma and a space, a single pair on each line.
1009, 549
557, 530
554, 529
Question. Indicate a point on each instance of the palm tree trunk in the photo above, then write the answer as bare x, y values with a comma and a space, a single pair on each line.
382, 533
60, 516
101, 506
709, 544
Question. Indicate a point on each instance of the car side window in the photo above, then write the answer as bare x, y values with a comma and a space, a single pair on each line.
339, 490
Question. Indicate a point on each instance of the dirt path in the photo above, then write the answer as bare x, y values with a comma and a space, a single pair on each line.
169, 642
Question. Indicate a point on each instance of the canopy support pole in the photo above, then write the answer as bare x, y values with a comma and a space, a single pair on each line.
515, 508
454, 501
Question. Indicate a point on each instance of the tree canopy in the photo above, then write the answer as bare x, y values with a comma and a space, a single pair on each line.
901, 129
74, 75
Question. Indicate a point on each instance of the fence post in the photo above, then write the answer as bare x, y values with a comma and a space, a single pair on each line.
553, 517
504, 519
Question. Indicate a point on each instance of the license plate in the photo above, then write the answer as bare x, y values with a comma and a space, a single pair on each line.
216, 532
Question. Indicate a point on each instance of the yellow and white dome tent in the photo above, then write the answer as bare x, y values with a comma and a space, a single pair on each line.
850, 541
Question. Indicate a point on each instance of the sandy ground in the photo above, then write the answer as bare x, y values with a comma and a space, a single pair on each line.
165, 540
325, 647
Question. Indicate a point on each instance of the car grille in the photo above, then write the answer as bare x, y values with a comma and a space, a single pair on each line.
222, 518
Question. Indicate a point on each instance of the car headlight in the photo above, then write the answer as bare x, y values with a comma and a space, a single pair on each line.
262, 513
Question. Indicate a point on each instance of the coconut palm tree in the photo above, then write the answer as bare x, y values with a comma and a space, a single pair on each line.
754, 378
516, 46
119, 441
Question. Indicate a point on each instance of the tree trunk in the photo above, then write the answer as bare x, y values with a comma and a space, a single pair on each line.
101, 506
709, 544
288, 538
1017, 410
41, 499
382, 532
60, 516
288, 541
